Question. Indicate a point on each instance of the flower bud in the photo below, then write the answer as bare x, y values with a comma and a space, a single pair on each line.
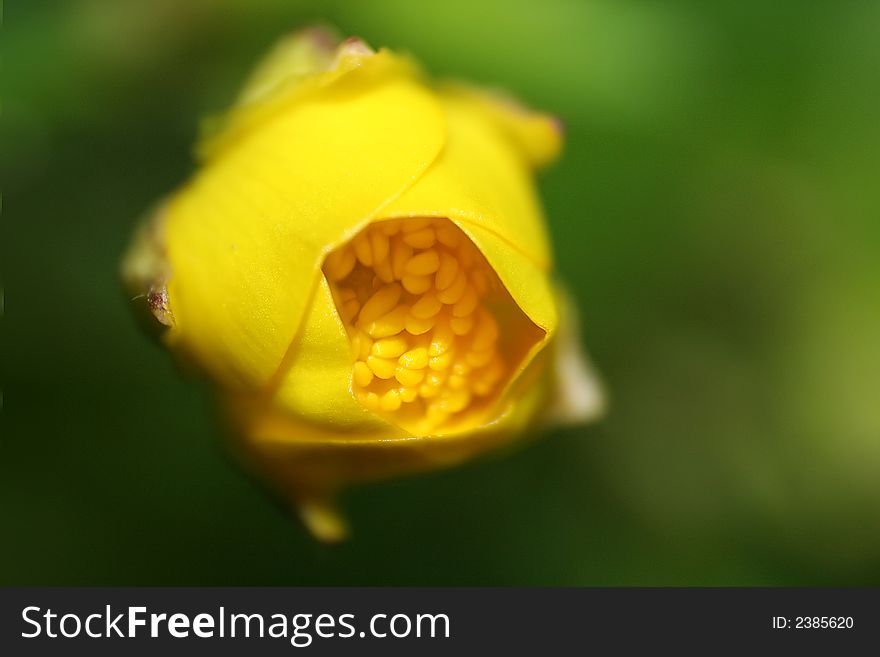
361, 267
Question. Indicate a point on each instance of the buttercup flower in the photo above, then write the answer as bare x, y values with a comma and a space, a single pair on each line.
361, 267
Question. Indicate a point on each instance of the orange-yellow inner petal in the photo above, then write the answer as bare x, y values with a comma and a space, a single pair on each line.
422, 309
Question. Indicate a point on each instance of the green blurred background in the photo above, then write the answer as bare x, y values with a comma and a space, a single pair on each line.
716, 213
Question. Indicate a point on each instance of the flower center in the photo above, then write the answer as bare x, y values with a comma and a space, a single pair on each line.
417, 299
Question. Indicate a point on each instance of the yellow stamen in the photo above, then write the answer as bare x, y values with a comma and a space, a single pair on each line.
390, 227
380, 247
384, 271
415, 358
457, 400
456, 290
442, 338
427, 262
399, 257
467, 303
448, 235
461, 325
415, 295
445, 272
407, 377
389, 347
362, 374
390, 401
389, 324
383, 301
361, 345
408, 395
370, 400
428, 305
418, 326
382, 368
421, 239
416, 284
362, 250
441, 362
415, 224
340, 263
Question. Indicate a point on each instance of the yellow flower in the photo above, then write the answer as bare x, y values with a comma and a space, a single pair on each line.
361, 267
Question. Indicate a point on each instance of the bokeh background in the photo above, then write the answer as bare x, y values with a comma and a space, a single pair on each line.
716, 214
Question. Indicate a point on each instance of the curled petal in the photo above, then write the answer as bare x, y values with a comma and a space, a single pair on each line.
246, 238
537, 136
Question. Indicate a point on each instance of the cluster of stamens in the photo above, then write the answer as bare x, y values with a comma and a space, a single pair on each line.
413, 295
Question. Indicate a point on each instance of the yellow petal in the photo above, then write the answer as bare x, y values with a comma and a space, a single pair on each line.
481, 184
298, 66
577, 396
309, 463
321, 143
538, 136
247, 236
480, 180
528, 284
316, 385
294, 57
